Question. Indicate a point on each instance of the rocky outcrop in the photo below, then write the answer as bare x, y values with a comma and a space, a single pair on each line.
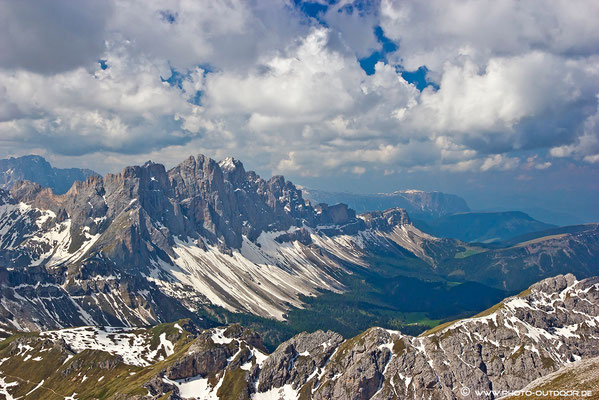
579, 379
525, 337
386, 220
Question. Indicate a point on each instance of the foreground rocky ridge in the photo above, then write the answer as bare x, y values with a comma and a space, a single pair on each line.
579, 379
548, 327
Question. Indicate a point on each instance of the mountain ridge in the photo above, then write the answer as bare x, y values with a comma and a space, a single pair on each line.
483, 227
191, 233
419, 204
209, 241
504, 349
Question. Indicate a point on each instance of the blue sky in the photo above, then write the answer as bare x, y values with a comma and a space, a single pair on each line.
496, 101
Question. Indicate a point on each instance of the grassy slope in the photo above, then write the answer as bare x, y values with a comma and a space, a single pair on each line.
580, 376
59, 374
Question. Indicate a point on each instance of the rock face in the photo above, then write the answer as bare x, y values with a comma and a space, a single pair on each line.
547, 331
523, 338
37, 169
148, 245
580, 378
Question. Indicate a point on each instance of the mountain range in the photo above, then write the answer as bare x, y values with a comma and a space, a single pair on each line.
147, 245
436, 213
441, 214
207, 243
483, 227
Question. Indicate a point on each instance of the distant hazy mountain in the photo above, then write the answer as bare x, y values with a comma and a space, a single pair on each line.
541, 235
37, 169
484, 227
419, 204
559, 218
534, 256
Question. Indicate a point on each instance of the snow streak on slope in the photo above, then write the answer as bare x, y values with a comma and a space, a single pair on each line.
134, 346
267, 276
36, 233
262, 278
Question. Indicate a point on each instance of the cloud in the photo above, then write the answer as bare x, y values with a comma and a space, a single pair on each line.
521, 102
500, 162
223, 34
356, 25
124, 108
285, 92
434, 32
50, 37
586, 145
306, 82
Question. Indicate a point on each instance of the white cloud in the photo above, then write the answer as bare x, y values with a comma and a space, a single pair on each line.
434, 32
355, 25
125, 108
490, 106
586, 145
306, 84
287, 94
592, 159
499, 162
224, 34
50, 37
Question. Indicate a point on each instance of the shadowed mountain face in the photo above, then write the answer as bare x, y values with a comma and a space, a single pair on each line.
518, 341
419, 204
483, 227
37, 169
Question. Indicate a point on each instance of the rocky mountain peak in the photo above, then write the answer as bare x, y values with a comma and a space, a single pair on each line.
234, 172
25, 191
386, 220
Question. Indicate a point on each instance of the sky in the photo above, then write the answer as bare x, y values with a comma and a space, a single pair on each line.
496, 101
